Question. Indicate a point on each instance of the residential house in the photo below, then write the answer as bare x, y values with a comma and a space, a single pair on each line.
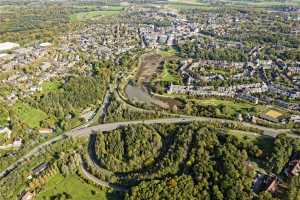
293, 168
45, 130
27, 196
271, 184
39, 169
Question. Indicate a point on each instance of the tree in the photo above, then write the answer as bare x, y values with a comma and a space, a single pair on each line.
281, 152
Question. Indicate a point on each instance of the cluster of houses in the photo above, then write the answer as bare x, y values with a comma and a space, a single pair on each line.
284, 91
222, 24
20, 57
196, 72
104, 41
178, 29
207, 91
228, 24
46, 67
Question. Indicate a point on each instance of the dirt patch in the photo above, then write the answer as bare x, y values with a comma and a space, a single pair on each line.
172, 103
149, 65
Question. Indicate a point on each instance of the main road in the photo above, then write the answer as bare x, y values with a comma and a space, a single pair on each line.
184, 119
84, 132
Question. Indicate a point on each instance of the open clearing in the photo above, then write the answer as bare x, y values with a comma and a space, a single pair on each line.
73, 186
94, 14
167, 52
148, 66
238, 105
244, 135
31, 116
232, 104
166, 76
50, 86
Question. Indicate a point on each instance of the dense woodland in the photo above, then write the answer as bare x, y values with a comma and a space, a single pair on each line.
196, 162
127, 149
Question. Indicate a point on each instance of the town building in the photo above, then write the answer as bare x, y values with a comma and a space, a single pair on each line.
8, 46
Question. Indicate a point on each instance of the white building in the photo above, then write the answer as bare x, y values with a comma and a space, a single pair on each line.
8, 46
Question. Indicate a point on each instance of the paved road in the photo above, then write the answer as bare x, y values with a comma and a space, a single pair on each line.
98, 181
34, 152
111, 126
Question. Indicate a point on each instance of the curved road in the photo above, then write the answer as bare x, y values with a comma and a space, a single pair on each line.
111, 126
83, 132
98, 181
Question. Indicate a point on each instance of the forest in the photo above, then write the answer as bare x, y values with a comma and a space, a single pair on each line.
195, 162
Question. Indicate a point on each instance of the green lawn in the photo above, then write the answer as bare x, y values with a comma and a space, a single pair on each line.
2, 138
94, 14
168, 74
50, 86
231, 103
29, 115
72, 185
244, 135
181, 5
237, 106
167, 52
114, 8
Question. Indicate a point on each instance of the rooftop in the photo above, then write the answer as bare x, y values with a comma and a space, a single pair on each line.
8, 46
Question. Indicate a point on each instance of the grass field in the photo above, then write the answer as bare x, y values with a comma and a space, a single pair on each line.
232, 104
168, 52
167, 76
50, 86
29, 115
237, 106
182, 6
73, 186
107, 12
245, 135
